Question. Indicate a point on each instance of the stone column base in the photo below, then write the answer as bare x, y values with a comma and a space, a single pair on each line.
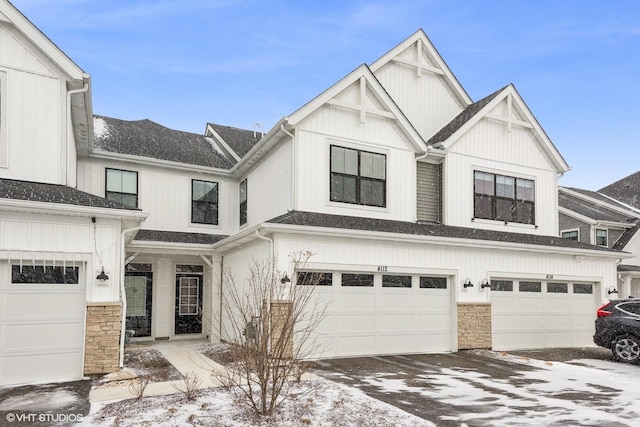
474, 325
102, 337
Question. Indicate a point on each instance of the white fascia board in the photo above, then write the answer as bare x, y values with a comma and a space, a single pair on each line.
374, 85
41, 41
47, 208
614, 224
631, 211
461, 94
144, 246
448, 241
265, 143
218, 139
148, 161
577, 216
238, 239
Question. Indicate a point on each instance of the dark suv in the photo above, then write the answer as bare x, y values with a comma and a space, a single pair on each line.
618, 328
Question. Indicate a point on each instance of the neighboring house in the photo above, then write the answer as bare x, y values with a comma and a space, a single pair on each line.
433, 218
609, 217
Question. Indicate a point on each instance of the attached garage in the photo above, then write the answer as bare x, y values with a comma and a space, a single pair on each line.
529, 314
42, 312
375, 314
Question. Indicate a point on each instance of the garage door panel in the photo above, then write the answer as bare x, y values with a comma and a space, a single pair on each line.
42, 336
434, 322
365, 301
356, 322
399, 342
40, 306
356, 345
396, 322
396, 302
431, 300
42, 368
434, 341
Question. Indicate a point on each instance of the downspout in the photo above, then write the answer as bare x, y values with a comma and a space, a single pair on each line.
294, 167
423, 156
221, 294
271, 243
123, 298
84, 89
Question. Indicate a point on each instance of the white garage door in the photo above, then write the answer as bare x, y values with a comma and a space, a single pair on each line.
374, 314
42, 312
532, 314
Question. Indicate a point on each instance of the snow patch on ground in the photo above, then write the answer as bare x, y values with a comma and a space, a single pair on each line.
325, 403
43, 400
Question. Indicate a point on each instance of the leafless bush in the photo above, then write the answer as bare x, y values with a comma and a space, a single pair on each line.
138, 386
188, 385
270, 323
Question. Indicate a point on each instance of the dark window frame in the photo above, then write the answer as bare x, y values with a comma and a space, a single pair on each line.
205, 208
243, 214
44, 275
522, 210
359, 180
117, 196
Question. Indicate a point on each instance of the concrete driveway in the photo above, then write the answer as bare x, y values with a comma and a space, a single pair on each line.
479, 387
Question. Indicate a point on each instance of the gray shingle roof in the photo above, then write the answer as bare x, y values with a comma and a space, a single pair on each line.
628, 267
240, 140
53, 193
592, 210
177, 237
311, 219
145, 138
462, 118
626, 190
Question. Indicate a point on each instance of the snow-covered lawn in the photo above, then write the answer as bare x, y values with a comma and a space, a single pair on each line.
585, 392
324, 404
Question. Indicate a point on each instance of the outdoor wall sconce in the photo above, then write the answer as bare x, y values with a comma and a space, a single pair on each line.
485, 284
102, 277
285, 278
612, 290
467, 283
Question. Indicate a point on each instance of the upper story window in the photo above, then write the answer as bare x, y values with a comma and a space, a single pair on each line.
243, 202
503, 198
358, 177
204, 202
122, 186
571, 234
601, 237
3, 120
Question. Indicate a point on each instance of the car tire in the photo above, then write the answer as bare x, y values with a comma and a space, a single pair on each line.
626, 348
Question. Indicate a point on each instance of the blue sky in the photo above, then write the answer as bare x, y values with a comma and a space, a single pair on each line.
184, 63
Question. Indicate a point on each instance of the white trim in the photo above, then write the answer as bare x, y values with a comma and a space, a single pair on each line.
631, 211
569, 230
148, 161
4, 124
13, 205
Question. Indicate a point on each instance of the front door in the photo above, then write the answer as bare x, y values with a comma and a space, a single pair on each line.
188, 319
138, 285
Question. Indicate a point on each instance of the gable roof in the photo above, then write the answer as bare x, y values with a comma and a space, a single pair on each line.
238, 140
625, 190
177, 237
144, 138
54, 193
594, 206
420, 39
364, 75
312, 219
480, 109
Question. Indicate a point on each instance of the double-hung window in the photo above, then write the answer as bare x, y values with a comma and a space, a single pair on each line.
122, 186
503, 198
204, 202
243, 202
358, 177
571, 234
601, 237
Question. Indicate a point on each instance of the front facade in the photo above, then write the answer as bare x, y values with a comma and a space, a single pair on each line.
433, 218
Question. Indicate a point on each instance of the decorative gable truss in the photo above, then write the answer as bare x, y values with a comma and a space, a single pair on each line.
362, 93
508, 108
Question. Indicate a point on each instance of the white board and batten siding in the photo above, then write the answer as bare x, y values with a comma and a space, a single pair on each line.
333, 125
35, 146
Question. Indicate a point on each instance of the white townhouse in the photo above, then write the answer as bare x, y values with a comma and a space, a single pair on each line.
433, 218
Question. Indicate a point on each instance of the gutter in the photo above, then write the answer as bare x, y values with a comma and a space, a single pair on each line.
123, 298
70, 135
294, 166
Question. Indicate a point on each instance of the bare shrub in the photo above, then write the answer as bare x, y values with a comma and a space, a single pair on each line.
188, 386
138, 386
270, 324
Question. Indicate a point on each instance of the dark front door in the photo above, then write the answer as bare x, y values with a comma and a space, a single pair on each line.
188, 304
138, 287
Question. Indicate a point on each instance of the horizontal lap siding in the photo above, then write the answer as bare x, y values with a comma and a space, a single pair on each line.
429, 199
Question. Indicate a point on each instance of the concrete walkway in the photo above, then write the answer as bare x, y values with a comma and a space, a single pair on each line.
183, 356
